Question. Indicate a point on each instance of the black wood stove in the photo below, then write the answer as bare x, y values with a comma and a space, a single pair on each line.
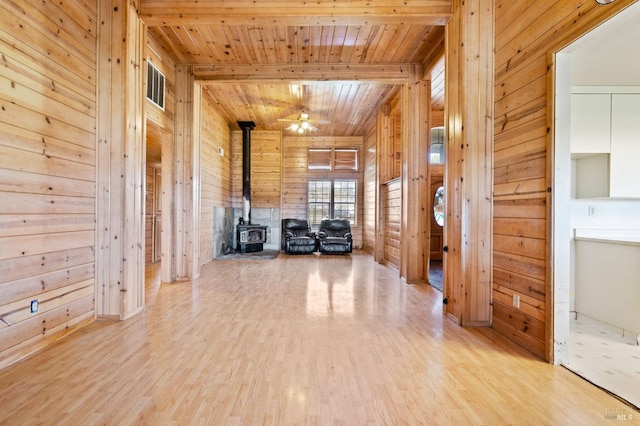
250, 237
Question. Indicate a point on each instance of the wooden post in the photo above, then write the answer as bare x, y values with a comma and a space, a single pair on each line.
382, 175
469, 125
120, 162
416, 110
187, 174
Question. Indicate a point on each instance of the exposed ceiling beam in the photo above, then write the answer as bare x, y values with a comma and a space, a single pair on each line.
384, 74
433, 59
295, 13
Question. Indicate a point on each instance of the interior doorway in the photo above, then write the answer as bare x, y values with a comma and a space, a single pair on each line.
587, 213
153, 204
436, 206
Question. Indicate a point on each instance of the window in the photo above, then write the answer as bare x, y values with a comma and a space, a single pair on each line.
332, 200
344, 200
155, 85
342, 159
346, 159
319, 201
319, 159
436, 155
438, 206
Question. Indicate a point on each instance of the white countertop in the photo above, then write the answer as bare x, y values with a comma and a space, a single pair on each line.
612, 236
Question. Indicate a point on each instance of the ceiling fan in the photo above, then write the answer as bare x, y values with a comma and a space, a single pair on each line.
301, 124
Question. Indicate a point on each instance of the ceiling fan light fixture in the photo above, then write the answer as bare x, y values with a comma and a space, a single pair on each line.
300, 130
604, 2
295, 127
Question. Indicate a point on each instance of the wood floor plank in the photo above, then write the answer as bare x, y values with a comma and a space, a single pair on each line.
295, 340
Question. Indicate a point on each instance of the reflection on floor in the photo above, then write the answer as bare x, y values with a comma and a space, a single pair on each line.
435, 274
602, 355
301, 340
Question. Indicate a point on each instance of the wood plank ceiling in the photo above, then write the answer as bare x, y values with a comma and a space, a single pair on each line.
336, 60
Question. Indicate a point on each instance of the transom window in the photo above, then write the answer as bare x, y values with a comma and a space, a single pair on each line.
332, 159
332, 199
155, 85
319, 159
436, 156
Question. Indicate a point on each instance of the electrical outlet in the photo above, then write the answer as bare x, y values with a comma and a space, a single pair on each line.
34, 306
516, 300
592, 210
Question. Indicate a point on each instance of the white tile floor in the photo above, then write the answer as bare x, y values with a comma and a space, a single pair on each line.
606, 357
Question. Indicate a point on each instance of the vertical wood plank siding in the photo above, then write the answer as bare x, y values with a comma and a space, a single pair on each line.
469, 121
120, 159
47, 171
527, 34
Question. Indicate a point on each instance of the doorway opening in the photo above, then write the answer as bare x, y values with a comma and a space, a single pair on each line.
436, 190
596, 232
153, 207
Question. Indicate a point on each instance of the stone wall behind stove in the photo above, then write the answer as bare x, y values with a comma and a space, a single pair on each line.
223, 231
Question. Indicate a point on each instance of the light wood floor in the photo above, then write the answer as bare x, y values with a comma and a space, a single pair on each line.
295, 340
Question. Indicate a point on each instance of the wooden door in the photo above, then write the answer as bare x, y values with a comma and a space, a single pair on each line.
436, 229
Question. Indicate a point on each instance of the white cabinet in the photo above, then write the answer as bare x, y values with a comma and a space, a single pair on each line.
590, 123
606, 121
625, 145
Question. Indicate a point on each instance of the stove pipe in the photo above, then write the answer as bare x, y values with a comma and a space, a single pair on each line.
246, 127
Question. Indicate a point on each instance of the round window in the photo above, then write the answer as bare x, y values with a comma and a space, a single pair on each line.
438, 206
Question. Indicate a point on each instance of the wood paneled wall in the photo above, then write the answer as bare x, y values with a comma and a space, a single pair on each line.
526, 38
47, 171
391, 194
215, 173
185, 188
295, 176
266, 165
469, 122
163, 118
370, 184
120, 160
389, 155
416, 112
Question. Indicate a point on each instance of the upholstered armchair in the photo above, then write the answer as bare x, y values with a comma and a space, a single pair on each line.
297, 237
334, 236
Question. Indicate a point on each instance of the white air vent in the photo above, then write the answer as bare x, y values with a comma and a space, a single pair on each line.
155, 85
